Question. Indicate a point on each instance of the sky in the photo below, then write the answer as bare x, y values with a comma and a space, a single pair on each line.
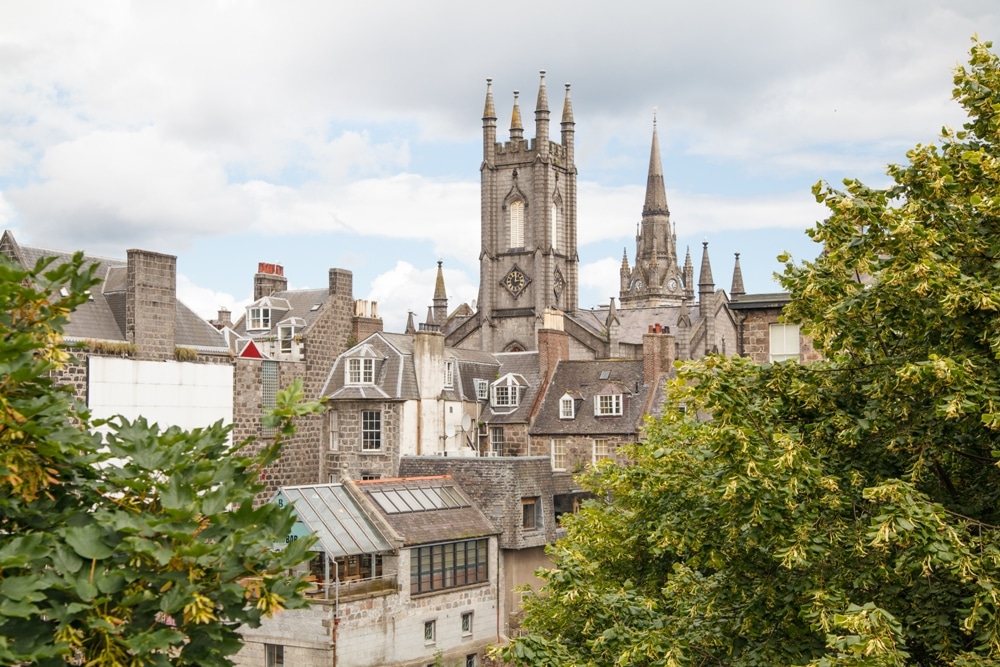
317, 134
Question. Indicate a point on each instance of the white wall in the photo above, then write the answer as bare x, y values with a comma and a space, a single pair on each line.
169, 393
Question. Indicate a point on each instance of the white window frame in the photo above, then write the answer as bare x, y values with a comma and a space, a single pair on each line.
449, 374
286, 334
430, 632
496, 440
601, 449
482, 389
371, 438
505, 396
558, 446
516, 215
333, 437
258, 318
608, 405
783, 342
567, 407
359, 370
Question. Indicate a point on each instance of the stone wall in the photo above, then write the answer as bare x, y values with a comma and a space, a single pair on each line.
756, 342
343, 454
151, 304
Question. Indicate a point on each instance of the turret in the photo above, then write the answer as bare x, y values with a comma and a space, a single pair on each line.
568, 127
542, 118
737, 289
516, 126
440, 298
489, 125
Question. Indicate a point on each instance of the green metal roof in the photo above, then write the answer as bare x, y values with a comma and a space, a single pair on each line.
332, 514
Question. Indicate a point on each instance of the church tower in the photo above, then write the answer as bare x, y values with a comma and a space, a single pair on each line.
528, 261
656, 279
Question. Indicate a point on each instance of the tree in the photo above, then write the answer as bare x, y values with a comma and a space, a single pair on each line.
839, 513
139, 547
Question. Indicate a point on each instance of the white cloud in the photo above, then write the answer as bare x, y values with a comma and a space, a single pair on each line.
405, 289
207, 302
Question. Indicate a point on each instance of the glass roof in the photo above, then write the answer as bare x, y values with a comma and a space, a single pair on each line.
332, 514
418, 499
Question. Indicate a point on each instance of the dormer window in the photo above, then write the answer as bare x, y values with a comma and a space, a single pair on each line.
505, 397
567, 407
360, 371
258, 318
507, 391
449, 374
608, 405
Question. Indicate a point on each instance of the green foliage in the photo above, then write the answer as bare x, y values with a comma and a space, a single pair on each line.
141, 547
840, 513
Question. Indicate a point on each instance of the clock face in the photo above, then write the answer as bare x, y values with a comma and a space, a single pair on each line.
558, 283
672, 284
515, 281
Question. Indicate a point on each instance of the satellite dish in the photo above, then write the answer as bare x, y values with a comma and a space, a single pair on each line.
466, 422
449, 430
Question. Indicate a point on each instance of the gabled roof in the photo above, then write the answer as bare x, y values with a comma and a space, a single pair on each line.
446, 513
584, 380
102, 317
523, 365
338, 521
303, 304
395, 376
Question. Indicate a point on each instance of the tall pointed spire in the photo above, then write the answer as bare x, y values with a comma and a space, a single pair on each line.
410, 327
543, 98
489, 111
705, 279
688, 274
440, 298
516, 126
567, 114
738, 289
656, 193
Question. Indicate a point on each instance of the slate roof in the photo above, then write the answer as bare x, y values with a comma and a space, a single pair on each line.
102, 317
523, 365
584, 379
427, 526
764, 300
634, 321
395, 377
307, 304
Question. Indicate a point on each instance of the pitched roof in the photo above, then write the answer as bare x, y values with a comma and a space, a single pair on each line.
304, 304
338, 521
583, 380
521, 365
423, 510
102, 317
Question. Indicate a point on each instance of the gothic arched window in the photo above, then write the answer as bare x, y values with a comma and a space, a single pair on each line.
516, 213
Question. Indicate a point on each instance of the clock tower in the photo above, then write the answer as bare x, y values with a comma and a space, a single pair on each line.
656, 279
528, 261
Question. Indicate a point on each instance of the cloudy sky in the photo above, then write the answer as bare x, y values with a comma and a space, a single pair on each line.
333, 134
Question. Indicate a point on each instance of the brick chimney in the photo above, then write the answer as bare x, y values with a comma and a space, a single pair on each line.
270, 278
151, 304
659, 350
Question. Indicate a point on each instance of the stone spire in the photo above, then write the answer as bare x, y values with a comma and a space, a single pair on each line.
738, 289
656, 193
567, 115
688, 275
705, 276
625, 271
410, 326
516, 127
568, 126
440, 298
542, 118
489, 125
